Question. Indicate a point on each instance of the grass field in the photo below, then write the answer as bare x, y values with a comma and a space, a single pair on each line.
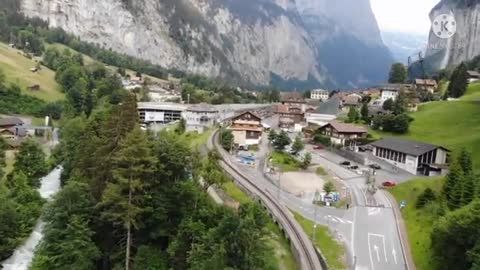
419, 222
285, 162
452, 124
333, 251
16, 68
283, 255
196, 140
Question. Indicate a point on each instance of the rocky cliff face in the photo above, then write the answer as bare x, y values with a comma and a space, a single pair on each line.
259, 41
465, 44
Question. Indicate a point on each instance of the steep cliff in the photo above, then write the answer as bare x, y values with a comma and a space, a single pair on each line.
257, 41
465, 44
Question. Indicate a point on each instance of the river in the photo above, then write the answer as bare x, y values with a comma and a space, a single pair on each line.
23, 255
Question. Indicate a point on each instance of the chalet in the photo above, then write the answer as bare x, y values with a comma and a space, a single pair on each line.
427, 84
352, 100
290, 111
473, 76
343, 133
293, 99
246, 129
412, 156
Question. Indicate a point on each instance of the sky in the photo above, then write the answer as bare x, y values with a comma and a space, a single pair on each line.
409, 16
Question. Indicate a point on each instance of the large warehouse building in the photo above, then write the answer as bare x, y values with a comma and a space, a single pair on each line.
412, 156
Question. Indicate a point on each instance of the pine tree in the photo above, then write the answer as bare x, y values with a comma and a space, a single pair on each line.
364, 113
352, 115
458, 82
453, 187
31, 161
297, 145
282, 140
465, 161
398, 73
307, 160
469, 188
272, 135
124, 199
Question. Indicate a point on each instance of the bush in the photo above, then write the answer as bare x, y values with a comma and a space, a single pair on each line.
323, 140
428, 195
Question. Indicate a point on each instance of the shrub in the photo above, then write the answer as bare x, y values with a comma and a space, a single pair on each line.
428, 195
324, 140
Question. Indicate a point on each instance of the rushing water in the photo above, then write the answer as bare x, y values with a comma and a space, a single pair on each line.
23, 255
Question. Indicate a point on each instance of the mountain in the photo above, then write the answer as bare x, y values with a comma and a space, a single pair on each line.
402, 45
290, 43
465, 44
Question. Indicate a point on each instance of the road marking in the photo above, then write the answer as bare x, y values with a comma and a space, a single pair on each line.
375, 247
353, 231
370, 252
394, 254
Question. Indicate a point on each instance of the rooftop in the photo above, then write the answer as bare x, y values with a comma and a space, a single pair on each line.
413, 148
203, 107
394, 86
11, 121
331, 106
347, 128
425, 82
474, 73
161, 106
292, 97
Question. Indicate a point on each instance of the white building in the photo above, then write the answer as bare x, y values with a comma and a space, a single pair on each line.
154, 113
390, 91
200, 117
412, 156
319, 94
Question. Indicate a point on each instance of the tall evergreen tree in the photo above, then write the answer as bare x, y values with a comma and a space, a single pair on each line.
68, 238
30, 160
454, 185
364, 113
458, 82
353, 115
465, 161
398, 73
124, 199
297, 145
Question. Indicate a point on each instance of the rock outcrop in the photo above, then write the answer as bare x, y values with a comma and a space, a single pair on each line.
465, 44
255, 41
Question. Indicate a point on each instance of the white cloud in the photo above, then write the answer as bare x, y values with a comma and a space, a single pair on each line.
403, 15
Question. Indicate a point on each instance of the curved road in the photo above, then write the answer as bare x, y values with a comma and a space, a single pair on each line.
368, 228
301, 244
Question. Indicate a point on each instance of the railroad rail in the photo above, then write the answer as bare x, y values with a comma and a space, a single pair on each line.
305, 253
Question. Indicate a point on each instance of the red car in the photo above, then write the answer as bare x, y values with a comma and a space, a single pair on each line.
318, 147
389, 184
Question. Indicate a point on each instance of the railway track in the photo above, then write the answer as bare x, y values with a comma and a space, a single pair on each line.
302, 246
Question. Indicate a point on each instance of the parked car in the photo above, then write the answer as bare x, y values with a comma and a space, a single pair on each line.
318, 147
354, 167
375, 166
345, 163
389, 184
365, 148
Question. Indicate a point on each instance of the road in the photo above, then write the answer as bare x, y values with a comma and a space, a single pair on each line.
372, 235
368, 229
